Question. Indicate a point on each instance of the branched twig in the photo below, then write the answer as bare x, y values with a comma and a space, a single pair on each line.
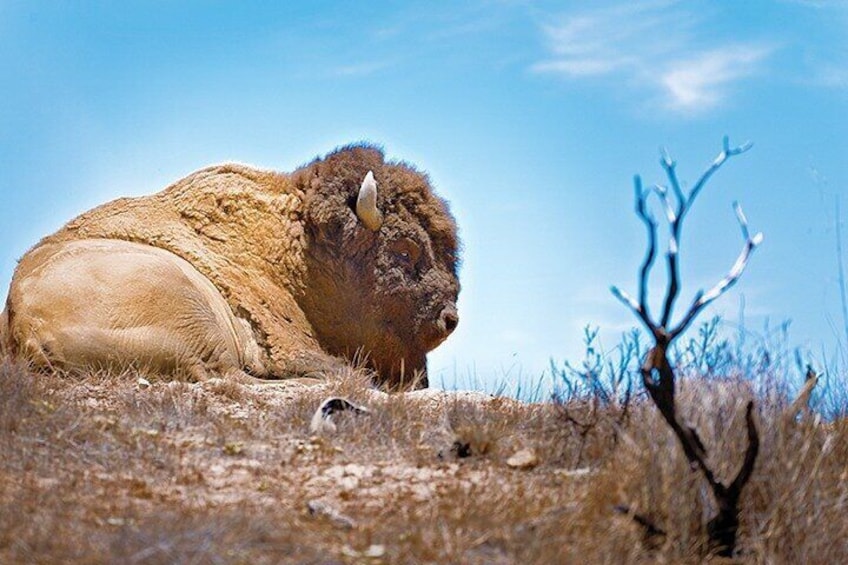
641, 307
583, 428
675, 216
726, 153
703, 299
684, 204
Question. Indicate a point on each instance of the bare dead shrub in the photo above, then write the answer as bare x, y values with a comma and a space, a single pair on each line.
658, 374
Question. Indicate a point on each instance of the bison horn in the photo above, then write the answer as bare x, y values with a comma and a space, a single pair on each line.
366, 204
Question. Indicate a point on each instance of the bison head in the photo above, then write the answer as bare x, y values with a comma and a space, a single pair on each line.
382, 258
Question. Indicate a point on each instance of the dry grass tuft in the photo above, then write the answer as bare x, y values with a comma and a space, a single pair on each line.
99, 468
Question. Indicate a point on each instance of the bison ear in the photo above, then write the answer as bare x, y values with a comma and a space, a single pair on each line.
366, 204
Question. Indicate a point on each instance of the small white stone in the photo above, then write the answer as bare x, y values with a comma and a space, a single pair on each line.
116, 521
523, 459
375, 551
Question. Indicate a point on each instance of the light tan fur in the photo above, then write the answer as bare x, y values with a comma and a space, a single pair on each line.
113, 304
236, 226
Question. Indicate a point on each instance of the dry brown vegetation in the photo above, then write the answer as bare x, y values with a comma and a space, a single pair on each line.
99, 469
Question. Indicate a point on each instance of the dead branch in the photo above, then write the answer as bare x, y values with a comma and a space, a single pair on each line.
657, 373
703, 299
652, 534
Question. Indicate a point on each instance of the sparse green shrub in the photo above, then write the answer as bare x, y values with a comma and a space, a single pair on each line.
603, 376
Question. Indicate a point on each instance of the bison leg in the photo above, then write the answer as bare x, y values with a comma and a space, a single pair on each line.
248, 379
109, 303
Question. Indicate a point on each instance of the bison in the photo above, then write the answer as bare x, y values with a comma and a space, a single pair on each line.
236, 271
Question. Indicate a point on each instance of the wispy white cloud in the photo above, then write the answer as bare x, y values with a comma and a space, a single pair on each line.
702, 81
654, 47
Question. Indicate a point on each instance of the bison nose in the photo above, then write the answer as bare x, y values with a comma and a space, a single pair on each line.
449, 319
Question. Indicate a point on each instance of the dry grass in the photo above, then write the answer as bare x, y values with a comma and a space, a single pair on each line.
97, 469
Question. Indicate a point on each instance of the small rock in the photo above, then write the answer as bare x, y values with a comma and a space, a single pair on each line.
523, 459
116, 521
319, 508
142, 383
375, 551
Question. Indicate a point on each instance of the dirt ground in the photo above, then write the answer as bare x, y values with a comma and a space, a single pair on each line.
112, 469
116, 469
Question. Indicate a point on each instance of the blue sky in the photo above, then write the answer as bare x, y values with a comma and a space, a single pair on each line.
531, 118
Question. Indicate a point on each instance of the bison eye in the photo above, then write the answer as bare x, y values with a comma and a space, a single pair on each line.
406, 250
